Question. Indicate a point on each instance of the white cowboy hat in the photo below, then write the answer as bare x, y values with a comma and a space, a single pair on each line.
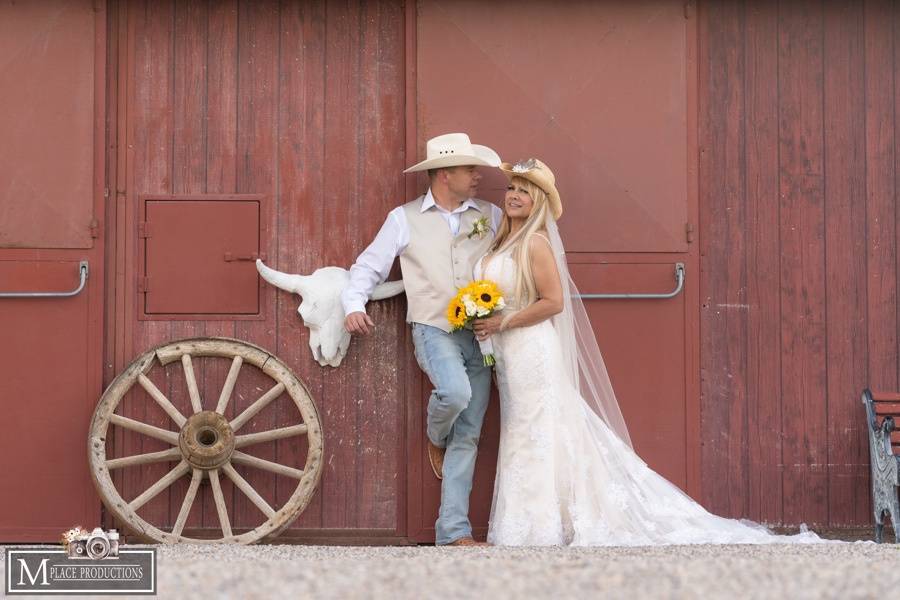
454, 150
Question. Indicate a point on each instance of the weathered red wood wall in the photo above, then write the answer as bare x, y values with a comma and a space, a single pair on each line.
305, 104
798, 232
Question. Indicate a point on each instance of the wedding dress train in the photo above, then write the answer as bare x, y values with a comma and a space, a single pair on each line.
563, 476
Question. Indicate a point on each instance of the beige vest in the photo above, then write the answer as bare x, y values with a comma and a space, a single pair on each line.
435, 264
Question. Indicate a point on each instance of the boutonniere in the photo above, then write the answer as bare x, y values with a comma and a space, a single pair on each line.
479, 228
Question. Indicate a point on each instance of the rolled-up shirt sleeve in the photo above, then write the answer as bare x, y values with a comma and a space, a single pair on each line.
374, 264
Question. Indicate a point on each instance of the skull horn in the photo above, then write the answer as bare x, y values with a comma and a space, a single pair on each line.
296, 284
387, 289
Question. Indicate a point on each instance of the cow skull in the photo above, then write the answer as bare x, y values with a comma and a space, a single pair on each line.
321, 308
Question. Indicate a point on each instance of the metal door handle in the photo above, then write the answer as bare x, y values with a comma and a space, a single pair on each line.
82, 269
679, 279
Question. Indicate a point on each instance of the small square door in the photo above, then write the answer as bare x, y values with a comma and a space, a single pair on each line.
199, 257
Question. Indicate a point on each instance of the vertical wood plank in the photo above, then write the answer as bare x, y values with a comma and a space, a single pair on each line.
257, 172
803, 377
188, 177
221, 174
762, 253
880, 203
300, 114
380, 471
723, 276
341, 222
845, 234
153, 157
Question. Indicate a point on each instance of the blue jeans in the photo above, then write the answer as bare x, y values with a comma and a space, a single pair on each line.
462, 388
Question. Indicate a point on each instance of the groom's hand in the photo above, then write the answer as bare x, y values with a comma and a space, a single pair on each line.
359, 323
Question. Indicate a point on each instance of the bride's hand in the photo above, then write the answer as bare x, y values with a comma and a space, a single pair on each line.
486, 327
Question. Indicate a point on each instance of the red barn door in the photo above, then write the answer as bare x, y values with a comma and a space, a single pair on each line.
604, 93
51, 222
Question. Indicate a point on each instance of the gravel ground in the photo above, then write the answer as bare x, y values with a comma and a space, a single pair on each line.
845, 570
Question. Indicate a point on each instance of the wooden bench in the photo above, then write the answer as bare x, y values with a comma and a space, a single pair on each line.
883, 414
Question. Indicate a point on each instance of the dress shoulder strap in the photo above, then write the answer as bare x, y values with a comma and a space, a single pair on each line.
543, 237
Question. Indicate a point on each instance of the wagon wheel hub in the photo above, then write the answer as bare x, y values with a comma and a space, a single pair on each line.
206, 440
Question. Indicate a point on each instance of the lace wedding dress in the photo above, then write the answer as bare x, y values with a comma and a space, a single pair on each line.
563, 476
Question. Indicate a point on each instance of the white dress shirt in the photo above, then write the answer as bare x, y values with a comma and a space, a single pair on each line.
374, 264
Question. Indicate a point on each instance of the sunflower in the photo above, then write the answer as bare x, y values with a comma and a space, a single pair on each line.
487, 295
456, 313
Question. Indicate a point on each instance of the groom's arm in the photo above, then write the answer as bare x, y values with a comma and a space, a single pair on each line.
370, 269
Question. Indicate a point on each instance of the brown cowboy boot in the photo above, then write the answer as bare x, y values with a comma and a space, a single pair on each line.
436, 458
467, 541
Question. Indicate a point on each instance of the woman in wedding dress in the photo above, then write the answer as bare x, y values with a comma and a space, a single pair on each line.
566, 470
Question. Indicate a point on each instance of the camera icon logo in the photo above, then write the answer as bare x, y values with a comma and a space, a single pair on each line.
95, 545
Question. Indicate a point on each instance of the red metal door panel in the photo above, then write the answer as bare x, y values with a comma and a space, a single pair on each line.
601, 88
48, 384
46, 159
643, 343
604, 93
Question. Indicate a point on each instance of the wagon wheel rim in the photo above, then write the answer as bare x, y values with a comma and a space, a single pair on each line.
207, 444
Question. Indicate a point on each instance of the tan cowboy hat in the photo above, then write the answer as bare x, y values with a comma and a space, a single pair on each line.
454, 150
539, 174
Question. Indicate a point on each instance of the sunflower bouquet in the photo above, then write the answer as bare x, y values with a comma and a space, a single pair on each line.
477, 300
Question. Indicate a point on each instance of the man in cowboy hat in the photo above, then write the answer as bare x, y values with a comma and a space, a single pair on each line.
439, 236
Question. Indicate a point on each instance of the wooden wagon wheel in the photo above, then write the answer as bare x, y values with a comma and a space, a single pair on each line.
208, 444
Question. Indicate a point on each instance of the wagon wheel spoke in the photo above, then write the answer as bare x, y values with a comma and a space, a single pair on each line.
257, 406
266, 465
249, 439
164, 482
248, 490
225, 396
149, 430
220, 502
191, 380
143, 459
161, 400
196, 477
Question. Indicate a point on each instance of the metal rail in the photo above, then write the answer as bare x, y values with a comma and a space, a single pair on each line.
679, 279
83, 271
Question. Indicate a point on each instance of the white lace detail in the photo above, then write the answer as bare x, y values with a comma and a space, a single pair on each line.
563, 477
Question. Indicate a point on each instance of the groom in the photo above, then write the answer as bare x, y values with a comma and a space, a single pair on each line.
439, 237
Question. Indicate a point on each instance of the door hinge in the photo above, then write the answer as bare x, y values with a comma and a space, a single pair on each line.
689, 232
143, 285
144, 229
95, 228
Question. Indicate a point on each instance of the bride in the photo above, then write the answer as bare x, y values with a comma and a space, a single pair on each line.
566, 470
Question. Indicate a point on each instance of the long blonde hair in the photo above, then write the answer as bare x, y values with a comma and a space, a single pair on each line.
526, 290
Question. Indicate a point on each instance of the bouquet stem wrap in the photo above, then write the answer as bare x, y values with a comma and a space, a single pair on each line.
487, 350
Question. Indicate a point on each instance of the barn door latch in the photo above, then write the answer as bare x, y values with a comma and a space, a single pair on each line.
231, 257
689, 232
